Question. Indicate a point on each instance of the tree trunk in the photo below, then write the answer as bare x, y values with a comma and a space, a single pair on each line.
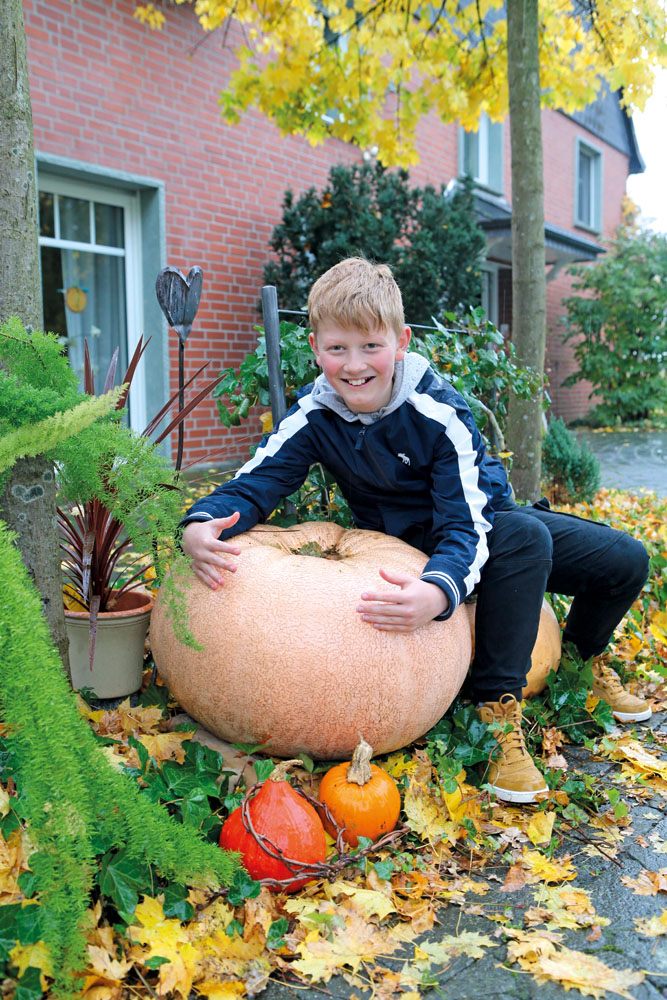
27, 502
524, 425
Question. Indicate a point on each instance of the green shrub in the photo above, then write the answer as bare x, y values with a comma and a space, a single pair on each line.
570, 467
431, 241
620, 327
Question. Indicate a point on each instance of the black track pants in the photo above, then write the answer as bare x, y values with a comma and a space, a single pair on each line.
533, 550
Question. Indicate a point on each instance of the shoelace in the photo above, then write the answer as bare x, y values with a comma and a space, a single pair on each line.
513, 742
609, 680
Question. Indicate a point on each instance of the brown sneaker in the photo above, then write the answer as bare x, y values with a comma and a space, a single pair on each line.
513, 775
624, 706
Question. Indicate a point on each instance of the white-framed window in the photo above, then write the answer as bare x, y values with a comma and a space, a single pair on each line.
481, 154
588, 187
90, 249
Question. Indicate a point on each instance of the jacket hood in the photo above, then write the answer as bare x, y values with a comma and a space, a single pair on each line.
408, 373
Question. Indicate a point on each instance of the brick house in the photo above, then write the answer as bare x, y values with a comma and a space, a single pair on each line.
136, 170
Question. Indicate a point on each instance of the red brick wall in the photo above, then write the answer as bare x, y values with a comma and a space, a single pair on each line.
111, 93
560, 134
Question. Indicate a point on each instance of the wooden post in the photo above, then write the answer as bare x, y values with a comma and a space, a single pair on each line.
272, 333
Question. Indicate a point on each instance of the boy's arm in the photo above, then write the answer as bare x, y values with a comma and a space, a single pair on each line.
462, 511
278, 468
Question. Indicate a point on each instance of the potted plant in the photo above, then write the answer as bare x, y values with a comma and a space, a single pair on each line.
118, 493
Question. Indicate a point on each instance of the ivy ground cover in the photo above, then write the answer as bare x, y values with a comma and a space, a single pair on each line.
469, 879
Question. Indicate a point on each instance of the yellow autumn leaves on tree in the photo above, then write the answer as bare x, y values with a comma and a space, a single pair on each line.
367, 72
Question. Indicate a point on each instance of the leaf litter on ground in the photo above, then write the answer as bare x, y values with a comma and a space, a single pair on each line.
376, 925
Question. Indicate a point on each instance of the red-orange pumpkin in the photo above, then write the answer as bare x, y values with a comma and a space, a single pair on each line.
361, 797
279, 813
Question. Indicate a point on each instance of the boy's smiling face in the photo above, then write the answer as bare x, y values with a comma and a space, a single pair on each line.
358, 365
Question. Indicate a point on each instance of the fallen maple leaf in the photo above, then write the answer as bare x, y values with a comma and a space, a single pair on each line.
164, 938
231, 990
367, 902
13, 861
399, 764
541, 827
552, 740
658, 845
515, 879
36, 955
575, 970
566, 907
469, 943
161, 747
543, 870
647, 883
426, 817
347, 947
652, 926
104, 967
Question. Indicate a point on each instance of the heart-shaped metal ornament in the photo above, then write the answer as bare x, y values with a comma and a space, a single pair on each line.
179, 297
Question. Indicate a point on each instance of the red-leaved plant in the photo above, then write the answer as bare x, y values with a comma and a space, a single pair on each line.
93, 540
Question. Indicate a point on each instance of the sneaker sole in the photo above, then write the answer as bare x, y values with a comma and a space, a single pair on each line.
522, 798
633, 716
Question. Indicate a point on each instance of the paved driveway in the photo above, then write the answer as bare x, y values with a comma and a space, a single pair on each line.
630, 460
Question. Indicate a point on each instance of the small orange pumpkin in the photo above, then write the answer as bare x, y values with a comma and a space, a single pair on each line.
361, 797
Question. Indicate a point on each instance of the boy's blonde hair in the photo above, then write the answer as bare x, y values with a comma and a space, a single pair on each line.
356, 294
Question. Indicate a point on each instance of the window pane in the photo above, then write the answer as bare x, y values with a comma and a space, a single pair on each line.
52, 291
585, 178
46, 214
74, 219
495, 145
98, 315
109, 225
471, 154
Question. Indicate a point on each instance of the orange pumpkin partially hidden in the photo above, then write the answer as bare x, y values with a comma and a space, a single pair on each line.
546, 651
361, 797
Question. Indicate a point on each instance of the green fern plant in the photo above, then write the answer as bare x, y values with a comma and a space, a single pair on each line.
70, 797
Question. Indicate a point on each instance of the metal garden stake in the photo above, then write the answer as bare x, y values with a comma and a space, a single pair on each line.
179, 300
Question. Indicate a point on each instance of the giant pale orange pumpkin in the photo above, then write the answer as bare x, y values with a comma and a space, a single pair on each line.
286, 660
546, 651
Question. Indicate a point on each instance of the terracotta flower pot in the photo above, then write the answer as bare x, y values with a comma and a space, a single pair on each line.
119, 646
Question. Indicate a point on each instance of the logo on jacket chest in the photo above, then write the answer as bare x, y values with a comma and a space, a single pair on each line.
404, 458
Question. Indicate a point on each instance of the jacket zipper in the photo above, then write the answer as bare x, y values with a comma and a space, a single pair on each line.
360, 439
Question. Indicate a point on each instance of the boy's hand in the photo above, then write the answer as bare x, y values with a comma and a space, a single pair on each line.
200, 541
404, 610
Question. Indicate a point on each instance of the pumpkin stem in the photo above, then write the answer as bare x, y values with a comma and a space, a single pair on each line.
359, 772
279, 773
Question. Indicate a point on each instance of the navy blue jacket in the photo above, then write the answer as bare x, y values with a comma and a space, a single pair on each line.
420, 473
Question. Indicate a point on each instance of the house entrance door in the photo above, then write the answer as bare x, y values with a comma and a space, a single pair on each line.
89, 271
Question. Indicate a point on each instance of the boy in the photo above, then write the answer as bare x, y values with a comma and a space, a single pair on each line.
404, 449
